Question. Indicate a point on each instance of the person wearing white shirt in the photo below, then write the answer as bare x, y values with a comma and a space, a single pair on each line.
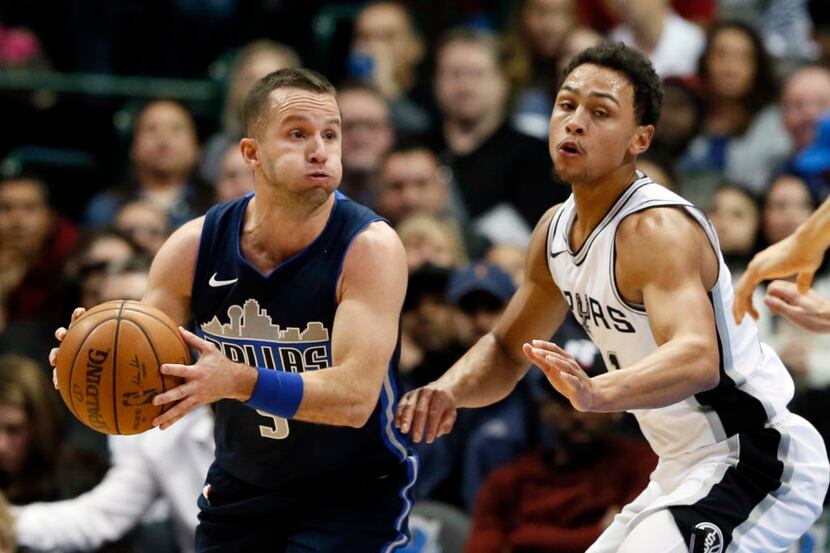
155, 465
672, 44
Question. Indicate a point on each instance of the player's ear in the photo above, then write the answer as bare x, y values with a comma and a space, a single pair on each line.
641, 140
250, 152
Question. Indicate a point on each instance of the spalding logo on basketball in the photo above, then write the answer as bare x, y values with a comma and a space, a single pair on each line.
108, 365
707, 538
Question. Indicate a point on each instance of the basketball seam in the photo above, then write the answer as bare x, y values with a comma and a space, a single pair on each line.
75, 360
174, 329
114, 373
155, 354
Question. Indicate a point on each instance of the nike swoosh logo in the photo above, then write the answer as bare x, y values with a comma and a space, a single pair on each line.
214, 283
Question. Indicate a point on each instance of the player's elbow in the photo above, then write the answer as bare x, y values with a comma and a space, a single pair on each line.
707, 367
359, 414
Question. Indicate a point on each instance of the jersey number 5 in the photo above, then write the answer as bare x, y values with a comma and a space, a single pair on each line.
278, 429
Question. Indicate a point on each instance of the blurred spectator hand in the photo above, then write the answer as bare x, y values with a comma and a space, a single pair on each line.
809, 310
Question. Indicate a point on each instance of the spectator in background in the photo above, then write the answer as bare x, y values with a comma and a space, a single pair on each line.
672, 43
141, 470
164, 151
480, 291
431, 239
785, 207
35, 243
368, 135
97, 253
35, 463
680, 120
533, 46
805, 98
575, 40
743, 139
813, 163
235, 177
411, 182
504, 177
510, 258
253, 61
602, 14
126, 280
736, 215
386, 52
144, 223
561, 498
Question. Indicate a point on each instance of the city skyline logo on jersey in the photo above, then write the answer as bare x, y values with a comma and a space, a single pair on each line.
251, 337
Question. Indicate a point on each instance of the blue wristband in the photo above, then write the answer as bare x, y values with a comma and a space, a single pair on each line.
277, 392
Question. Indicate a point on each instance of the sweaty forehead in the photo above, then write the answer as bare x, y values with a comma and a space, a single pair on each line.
296, 101
589, 78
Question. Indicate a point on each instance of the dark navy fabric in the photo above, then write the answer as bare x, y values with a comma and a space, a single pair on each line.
283, 321
360, 517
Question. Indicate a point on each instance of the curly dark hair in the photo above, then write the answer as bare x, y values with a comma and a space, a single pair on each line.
648, 90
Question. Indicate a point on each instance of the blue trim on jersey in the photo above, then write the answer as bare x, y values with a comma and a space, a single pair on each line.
351, 242
393, 440
402, 539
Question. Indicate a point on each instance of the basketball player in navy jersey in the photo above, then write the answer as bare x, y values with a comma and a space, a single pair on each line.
295, 294
640, 268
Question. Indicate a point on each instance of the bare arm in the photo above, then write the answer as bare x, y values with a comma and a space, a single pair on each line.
799, 254
665, 260
363, 340
171, 275
493, 366
365, 332
170, 280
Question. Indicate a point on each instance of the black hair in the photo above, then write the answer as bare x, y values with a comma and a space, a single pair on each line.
41, 183
301, 78
764, 89
648, 90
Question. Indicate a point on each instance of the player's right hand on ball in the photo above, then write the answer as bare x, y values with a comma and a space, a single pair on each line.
59, 334
429, 412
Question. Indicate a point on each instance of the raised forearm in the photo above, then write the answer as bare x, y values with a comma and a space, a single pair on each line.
675, 371
814, 233
484, 375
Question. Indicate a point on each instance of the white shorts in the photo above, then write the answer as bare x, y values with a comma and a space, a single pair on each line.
756, 492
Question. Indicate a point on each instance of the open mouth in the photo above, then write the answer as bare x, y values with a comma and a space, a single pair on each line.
570, 147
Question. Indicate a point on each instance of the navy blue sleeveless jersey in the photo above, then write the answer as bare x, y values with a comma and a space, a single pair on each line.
283, 321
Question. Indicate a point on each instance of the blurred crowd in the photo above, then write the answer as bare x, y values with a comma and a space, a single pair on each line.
445, 109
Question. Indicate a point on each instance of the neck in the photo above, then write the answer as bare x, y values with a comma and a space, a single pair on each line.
277, 226
464, 136
592, 200
647, 32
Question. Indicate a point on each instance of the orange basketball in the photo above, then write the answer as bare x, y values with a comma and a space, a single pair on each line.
108, 365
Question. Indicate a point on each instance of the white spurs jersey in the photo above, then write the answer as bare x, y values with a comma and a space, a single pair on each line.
754, 385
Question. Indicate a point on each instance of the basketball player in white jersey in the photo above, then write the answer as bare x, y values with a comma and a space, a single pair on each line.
640, 268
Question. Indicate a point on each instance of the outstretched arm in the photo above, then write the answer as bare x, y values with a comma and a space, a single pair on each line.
493, 366
665, 260
799, 254
364, 335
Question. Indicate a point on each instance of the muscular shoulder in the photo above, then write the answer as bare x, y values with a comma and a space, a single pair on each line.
175, 263
660, 241
376, 257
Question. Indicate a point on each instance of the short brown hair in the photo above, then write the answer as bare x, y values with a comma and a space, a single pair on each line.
257, 98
